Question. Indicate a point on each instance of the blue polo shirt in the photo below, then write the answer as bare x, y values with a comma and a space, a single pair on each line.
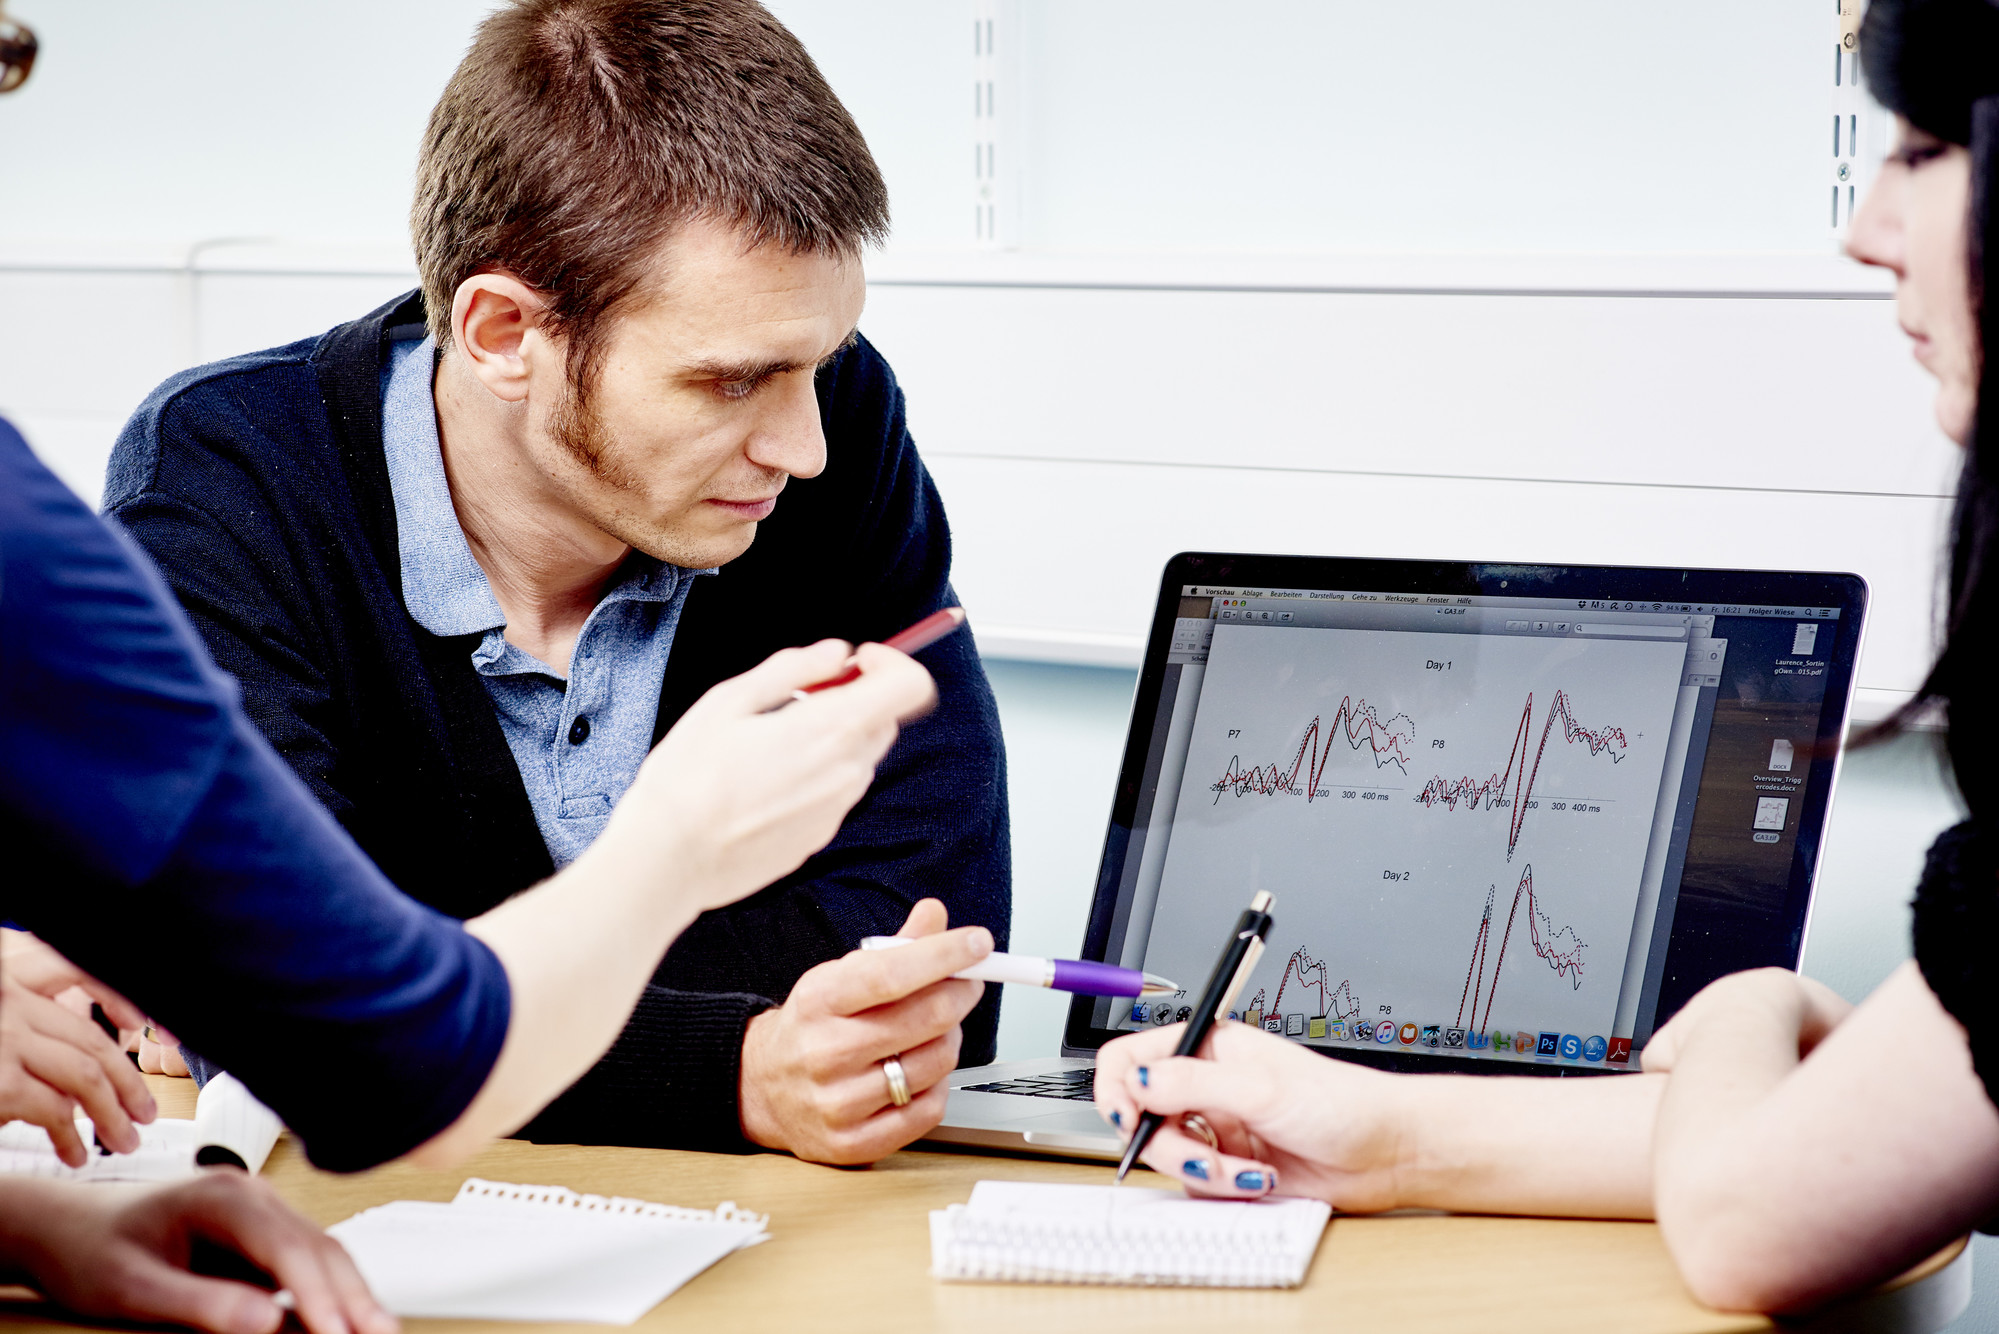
155, 838
578, 731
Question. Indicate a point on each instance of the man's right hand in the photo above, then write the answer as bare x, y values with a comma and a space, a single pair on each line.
812, 1079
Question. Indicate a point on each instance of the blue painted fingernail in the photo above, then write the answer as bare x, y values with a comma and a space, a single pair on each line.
1117, 1119
1144, 1077
1248, 1180
1197, 1169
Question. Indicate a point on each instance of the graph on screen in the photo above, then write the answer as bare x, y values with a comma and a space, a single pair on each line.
1454, 825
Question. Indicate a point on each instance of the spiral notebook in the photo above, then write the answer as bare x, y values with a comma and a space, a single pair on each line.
1028, 1232
506, 1252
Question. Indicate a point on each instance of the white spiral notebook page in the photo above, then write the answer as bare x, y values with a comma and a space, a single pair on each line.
503, 1252
1027, 1232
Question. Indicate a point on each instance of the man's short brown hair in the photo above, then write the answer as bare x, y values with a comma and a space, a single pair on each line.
577, 135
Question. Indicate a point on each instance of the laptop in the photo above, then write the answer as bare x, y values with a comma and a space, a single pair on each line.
1514, 816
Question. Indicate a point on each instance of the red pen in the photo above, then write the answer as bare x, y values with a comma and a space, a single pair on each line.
919, 636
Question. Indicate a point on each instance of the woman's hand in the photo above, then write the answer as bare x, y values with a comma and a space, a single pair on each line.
1286, 1119
51, 1061
124, 1254
751, 783
1767, 998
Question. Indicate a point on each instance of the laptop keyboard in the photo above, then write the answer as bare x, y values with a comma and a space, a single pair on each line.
1069, 1085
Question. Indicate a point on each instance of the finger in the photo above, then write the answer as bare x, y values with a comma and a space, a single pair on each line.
772, 681
84, 1037
1204, 1170
160, 1292
892, 682
149, 1057
875, 1137
243, 1214
1118, 1057
859, 1094
912, 1021
1177, 1084
927, 918
75, 1075
32, 1101
116, 1008
864, 980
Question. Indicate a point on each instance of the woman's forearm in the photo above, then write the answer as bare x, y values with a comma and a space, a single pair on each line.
578, 951
1521, 1145
1782, 1183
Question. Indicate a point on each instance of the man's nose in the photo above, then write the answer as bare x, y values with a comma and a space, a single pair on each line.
789, 438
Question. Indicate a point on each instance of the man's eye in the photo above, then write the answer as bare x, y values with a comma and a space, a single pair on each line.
1915, 155
736, 389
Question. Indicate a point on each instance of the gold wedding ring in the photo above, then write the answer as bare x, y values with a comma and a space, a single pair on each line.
898, 1082
1197, 1125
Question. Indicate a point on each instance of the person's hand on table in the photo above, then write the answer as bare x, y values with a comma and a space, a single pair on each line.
123, 1253
1285, 1119
812, 1076
52, 1061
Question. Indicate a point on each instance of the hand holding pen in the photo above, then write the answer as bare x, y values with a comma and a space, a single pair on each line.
1240, 955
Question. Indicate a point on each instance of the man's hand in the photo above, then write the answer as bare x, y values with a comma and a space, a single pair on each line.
812, 1080
51, 1060
123, 1254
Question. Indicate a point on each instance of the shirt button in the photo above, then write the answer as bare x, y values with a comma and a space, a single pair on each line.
579, 731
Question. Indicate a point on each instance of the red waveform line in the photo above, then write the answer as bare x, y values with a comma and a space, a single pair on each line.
1302, 965
1566, 960
1362, 726
1484, 793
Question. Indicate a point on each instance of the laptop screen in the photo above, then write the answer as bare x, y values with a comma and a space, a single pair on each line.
1509, 814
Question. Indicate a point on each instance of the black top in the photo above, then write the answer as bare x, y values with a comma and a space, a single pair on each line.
1956, 923
260, 486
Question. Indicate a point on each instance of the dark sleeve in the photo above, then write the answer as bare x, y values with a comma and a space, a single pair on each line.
254, 629
934, 824
180, 861
1956, 929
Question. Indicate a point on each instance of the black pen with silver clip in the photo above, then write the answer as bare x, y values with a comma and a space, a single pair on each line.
1232, 970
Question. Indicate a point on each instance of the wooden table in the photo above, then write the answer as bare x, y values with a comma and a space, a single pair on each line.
850, 1250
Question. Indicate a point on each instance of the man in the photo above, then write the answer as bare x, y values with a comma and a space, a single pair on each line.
448, 547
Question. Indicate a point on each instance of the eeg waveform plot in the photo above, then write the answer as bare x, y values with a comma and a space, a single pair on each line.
1474, 794
1560, 948
1390, 788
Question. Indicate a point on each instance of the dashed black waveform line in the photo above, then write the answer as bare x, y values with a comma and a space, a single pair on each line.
1561, 950
1356, 720
1335, 1002
1485, 793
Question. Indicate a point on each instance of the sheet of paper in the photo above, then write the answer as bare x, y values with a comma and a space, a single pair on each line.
536, 1253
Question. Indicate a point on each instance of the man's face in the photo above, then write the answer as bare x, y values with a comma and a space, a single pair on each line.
703, 406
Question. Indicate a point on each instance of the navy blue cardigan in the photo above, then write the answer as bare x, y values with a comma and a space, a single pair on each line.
260, 487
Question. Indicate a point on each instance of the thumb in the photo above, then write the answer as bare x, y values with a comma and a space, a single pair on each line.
159, 1292
927, 918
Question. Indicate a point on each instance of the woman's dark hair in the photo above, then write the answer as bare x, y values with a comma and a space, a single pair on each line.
1936, 62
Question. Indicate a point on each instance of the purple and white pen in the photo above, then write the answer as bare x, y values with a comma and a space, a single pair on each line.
1077, 975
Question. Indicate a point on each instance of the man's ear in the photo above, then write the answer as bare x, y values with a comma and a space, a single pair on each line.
496, 323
